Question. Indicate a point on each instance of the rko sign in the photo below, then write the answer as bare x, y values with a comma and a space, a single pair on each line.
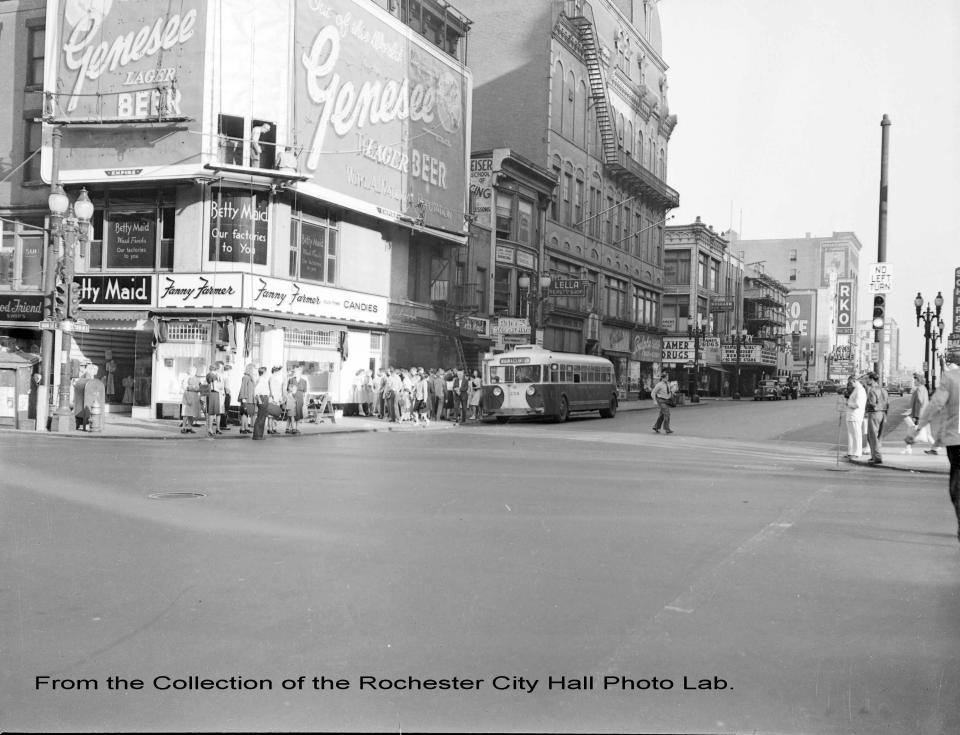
844, 306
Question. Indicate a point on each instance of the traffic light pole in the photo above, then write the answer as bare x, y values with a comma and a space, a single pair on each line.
48, 336
882, 229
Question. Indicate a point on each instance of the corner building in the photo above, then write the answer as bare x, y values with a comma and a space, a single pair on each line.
580, 90
273, 183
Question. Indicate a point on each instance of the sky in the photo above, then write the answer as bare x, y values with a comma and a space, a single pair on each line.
779, 107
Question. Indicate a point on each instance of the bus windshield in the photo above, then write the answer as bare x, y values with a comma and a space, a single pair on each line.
515, 373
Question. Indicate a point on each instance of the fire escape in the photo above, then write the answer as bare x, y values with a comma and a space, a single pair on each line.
620, 165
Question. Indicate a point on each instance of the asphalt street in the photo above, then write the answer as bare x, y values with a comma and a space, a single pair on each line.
732, 577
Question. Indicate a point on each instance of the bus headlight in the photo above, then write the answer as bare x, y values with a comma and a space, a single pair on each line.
497, 391
531, 390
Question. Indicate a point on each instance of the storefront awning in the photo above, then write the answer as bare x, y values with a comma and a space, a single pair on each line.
718, 369
127, 315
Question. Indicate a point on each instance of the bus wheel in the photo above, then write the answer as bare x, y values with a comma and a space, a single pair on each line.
563, 411
609, 413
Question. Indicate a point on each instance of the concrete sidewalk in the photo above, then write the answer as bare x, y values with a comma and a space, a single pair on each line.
120, 426
895, 458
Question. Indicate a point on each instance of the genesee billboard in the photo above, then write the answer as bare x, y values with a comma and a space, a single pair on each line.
383, 113
117, 63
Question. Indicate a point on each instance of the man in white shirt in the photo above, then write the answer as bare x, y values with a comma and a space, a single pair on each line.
663, 395
856, 405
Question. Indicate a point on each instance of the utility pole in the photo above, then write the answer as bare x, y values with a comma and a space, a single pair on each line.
882, 229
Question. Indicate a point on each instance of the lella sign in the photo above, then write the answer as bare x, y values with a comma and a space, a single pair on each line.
383, 113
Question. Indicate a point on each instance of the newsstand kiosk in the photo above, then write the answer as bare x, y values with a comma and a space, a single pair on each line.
18, 391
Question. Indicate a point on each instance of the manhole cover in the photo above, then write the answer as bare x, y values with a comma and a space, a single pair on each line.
176, 496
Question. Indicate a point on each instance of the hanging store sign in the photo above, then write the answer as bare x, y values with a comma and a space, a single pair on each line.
481, 190
567, 287
200, 290
845, 306
239, 222
677, 350
134, 291
308, 299
721, 303
384, 113
136, 61
504, 255
21, 307
506, 325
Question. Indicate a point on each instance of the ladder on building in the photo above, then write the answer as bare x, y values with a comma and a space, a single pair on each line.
598, 86
461, 357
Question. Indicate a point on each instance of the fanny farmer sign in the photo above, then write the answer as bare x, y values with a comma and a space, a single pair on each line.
384, 114
135, 61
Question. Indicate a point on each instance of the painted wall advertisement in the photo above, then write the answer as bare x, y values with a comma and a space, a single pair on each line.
238, 227
833, 263
801, 315
384, 114
135, 61
845, 306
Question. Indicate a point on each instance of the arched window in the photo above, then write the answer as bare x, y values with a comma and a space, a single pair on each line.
663, 166
628, 137
556, 98
620, 130
639, 149
569, 98
581, 113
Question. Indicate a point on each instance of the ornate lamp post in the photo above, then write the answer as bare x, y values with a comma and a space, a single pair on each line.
535, 287
807, 353
929, 318
739, 336
695, 329
69, 226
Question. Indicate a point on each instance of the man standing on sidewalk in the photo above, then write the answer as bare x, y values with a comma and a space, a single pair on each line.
856, 401
876, 410
945, 405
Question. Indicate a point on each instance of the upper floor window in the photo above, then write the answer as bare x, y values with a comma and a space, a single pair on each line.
793, 274
793, 255
504, 206
515, 218
239, 146
714, 275
676, 268
36, 39
21, 253
314, 247
134, 235
525, 221
32, 140
702, 272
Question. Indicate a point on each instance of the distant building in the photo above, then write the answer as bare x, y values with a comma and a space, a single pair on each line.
822, 275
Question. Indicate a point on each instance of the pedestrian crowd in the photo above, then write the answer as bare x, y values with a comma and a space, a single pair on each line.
419, 395
269, 399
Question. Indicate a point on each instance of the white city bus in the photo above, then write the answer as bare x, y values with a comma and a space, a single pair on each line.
531, 381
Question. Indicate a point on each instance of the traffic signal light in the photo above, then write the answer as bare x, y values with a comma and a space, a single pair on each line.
60, 301
879, 304
74, 302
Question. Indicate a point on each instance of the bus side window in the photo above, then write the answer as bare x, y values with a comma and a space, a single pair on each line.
576, 378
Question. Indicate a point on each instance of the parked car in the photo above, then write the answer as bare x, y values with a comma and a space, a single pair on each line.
895, 389
810, 389
829, 386
767, 390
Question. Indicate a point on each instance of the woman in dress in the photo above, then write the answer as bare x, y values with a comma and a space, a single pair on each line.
248, 399
214, 400
473, 396
190, 403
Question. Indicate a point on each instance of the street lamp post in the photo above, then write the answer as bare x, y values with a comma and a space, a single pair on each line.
936, 335
696, 330
807, 353
739, 335
929, 318
534, 286
69, 226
